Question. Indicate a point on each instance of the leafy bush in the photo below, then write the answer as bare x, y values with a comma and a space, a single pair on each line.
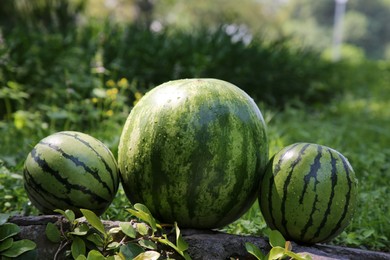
48, 67
57, 64
272, 72
51, 15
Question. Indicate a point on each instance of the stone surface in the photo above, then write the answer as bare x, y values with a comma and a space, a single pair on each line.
202, 244
216, 245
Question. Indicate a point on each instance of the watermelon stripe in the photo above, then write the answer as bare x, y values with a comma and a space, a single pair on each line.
286, 184
77, 162
43, 206
347, 197
108, 168
281, 159
270, 195
46, 196
312, 173
201, 155
44, 209
310, 222
159, 180
271, 183
244, 169
333, 162
31, 184
64, 181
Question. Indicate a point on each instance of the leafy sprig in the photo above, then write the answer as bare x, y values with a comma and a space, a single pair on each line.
280, 248
9, 246
140, 238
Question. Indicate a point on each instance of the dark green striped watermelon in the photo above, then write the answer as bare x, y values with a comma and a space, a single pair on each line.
71, 170
193, 151
308, 193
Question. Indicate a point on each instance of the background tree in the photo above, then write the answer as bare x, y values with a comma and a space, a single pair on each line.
365, 25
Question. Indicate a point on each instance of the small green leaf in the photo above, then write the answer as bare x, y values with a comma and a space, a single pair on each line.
95, 255
147, 244
142, 229
4, 218
78, 247
131, 250
28, 255
276, 238
80, 230
276, 253
96, 239
68, 214
60, 211
113, 245
94, 220
19, 247
120, 256
149, 255
5, 244
297, 256
52, 233
367, 233
143, 213
114, 230
180, 242
81, 257
254, 250
8, 230
142, 208
128, 229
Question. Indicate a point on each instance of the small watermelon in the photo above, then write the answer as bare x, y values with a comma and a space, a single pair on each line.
193, 151
308, 193
71, 170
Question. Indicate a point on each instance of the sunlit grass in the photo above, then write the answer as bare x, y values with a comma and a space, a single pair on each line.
357, 125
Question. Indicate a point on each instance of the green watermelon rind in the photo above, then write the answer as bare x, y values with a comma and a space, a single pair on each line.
71, 170
308, 193
193, 151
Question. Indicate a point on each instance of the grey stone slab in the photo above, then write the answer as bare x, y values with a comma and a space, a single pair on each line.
203, 245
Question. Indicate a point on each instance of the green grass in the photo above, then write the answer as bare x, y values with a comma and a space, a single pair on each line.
356, 123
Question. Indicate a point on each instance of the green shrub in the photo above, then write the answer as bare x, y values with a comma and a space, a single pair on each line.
272, 72
49, 15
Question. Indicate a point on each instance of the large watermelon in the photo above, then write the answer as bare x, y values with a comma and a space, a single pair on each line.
193, 151
71, 170
308, 193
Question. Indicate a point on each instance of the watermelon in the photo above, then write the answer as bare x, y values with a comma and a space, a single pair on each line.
193, 151
71, 170
308, 193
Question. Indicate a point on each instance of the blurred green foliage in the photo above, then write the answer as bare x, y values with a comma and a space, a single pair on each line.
54, 63
270, 72
365, 24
